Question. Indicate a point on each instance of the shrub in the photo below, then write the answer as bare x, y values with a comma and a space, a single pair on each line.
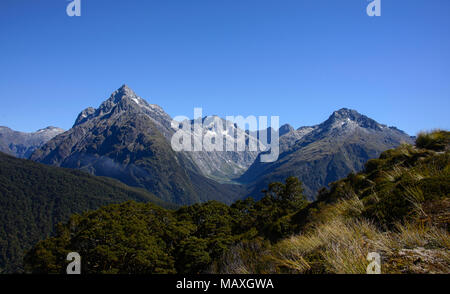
436, 140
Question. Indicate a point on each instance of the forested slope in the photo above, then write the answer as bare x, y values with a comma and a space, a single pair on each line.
35, 197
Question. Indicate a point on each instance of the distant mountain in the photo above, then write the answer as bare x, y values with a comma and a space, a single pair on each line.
35, 197
222, 166
325, 153
283, 130
128, 139
21, 144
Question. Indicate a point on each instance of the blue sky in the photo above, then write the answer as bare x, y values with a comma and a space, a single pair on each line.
299, 59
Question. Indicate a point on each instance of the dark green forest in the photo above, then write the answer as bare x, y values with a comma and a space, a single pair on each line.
143, 238
35, 197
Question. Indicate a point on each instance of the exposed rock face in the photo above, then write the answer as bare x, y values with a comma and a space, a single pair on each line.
284, 129
221, 165
21, 144
324, 153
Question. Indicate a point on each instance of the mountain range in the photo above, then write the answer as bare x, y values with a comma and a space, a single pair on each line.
128, 139
21, 144
324, 153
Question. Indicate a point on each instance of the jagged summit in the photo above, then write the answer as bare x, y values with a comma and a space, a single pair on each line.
125, 87
124, 97
50, 128
286, 128
123, 92
346, 114
348, 118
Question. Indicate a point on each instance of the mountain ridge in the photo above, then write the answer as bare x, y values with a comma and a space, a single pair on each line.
22, 144
325, 152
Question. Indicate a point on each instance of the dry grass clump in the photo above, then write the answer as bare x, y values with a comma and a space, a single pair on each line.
413, 235
438, 140
340, 244
248, 257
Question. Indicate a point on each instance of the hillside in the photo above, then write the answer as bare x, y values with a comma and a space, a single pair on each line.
35, 197
398, 206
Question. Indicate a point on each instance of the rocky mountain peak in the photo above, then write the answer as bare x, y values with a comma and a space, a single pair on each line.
349, 117
284, 129
50, 130
345, 113
125, 88
84, 115
123, 92
124, 97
